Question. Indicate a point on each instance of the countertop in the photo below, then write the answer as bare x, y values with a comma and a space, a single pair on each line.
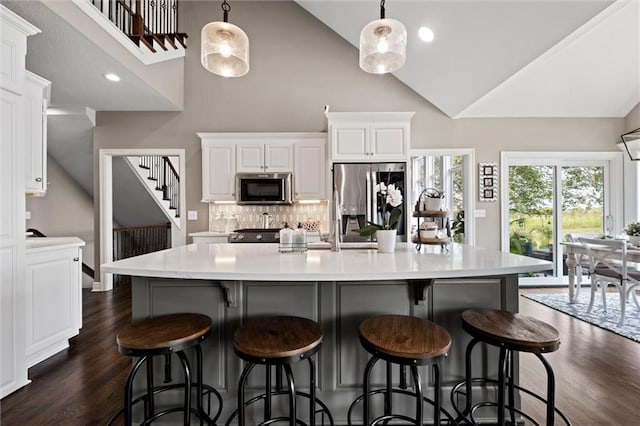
37, 244
209, 234
263, 262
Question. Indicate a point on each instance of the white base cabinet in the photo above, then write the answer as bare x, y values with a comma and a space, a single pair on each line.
53, 298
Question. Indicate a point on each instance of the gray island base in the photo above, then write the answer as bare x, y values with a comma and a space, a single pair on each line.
233, 283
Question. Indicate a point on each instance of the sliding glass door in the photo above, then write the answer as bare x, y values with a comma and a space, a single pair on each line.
550, 200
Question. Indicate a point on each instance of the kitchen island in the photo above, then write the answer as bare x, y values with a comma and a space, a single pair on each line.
233, 282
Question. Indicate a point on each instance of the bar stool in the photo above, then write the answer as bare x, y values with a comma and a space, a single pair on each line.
405, 341
164, 335
510, 332
279, 341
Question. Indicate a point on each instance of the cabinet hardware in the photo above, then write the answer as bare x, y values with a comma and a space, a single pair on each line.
76, 259
38, 179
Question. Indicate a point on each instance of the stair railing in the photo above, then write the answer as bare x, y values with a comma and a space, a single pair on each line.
136, 240
144, 21
161, 170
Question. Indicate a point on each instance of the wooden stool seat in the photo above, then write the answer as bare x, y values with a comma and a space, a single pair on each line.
281, 337
175, 332
516, 331
404, 337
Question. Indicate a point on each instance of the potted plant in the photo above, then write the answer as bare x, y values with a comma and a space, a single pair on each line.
389, 201
431, 199
633, 231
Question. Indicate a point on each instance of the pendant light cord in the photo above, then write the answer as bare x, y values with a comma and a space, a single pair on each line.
226, 7
381, 9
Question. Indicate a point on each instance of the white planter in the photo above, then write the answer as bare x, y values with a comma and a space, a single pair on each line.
634, 239
433, 204
386, 240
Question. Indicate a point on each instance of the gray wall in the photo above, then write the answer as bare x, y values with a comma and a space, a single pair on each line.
633, 119
297, 66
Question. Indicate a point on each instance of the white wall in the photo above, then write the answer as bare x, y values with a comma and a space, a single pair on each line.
298, 65
65, 211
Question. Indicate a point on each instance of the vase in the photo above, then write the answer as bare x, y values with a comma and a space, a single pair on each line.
434, 204
386, 240
634, 240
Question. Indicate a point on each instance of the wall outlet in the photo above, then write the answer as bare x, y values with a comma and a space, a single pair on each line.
27, 215
480, 213
192, 215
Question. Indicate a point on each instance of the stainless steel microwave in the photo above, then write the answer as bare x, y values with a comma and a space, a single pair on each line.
264, 188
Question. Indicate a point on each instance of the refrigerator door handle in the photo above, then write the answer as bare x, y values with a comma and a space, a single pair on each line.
369, 193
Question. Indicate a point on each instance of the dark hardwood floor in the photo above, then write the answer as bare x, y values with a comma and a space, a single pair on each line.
597, 372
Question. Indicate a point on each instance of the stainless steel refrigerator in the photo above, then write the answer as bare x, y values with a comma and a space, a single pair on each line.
356, 201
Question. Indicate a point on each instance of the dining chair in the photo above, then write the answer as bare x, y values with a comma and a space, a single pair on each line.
608, 265
582, 262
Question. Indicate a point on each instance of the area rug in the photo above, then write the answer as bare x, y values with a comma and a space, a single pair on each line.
607, 320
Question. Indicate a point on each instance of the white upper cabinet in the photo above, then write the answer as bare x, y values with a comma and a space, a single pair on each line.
269, 156
225, 154
310, 172
369, 136
37, 91
218, 168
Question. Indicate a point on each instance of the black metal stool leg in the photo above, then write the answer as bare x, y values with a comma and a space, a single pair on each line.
467, 367
267, 387
388, 395
241, 384
551, 390
292, 395
149, 405
417, 383
366, 388
199, 383
436, 394
312, 391
128, 391
510, 378
501, 384
187, 387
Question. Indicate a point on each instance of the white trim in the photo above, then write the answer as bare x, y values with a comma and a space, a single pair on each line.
105, 161
469, 186
613, 185
8, 17
142, 53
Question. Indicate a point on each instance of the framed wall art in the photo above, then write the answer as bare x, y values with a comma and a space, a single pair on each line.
488, 181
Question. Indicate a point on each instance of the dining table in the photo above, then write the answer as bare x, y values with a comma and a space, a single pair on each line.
575, 251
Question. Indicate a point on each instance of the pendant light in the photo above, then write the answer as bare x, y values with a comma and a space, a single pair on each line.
224, 47
631, 136
383, 45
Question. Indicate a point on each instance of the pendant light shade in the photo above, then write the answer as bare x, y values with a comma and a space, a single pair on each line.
383, 45
224, 47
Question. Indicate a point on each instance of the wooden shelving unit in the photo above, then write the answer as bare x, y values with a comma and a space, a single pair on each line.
440, 217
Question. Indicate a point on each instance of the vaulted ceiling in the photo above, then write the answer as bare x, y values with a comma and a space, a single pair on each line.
511, 58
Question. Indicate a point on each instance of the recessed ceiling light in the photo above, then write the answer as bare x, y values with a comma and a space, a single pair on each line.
425, 34
112, 77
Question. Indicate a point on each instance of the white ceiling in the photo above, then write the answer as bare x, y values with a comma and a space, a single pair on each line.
504, 58
510, 58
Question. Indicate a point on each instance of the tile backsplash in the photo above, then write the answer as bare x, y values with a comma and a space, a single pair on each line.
251, 216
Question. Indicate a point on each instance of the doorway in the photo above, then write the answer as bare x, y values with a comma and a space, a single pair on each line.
105, 246
551, 195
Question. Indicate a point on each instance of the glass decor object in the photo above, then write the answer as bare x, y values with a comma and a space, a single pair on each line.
383, 45
224, 47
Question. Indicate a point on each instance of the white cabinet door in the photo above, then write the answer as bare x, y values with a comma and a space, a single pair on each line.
389, 141
218, 170
53, 298
250, 157
271, 157
278, 157
13, 368
310, 174
350, 141
36, 134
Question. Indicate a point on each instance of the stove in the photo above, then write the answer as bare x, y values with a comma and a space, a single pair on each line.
255, 235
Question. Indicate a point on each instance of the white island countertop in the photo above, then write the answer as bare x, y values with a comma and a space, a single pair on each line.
263, 262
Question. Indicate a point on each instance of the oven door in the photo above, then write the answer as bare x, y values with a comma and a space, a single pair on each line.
263, 188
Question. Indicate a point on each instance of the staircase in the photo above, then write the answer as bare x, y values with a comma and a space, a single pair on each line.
161, 180
152, 26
